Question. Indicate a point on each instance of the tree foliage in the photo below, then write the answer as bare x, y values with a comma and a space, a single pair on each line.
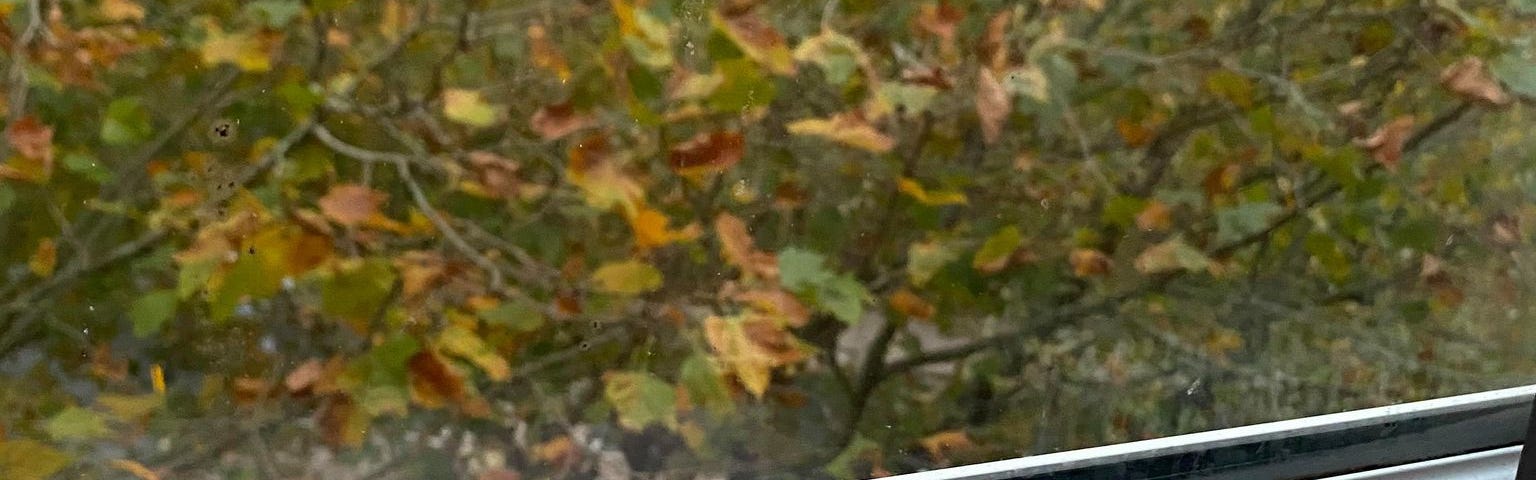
747, 238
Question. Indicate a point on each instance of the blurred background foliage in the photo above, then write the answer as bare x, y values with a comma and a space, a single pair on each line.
742, 239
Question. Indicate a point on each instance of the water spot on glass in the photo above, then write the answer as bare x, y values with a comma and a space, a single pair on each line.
585, 346
91, 308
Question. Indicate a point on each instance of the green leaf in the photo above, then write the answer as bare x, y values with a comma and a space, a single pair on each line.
30, 460
357, 291
131, 408
841, 466
1243, 220
640, 399
7, 198
193, 277
630, 277
517, 315
1231, 86
87, 167
743, 86
277, 13
250, 277
468, 107
800, 269
150, 311
1122, 210
913, 99
126, 123
997, 248
705, 385
75, 423
924, 259
844, 297
1517, 71
837, 55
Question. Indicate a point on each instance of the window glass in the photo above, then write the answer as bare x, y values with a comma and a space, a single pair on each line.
688, 239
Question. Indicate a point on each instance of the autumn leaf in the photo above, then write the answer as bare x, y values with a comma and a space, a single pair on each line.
775, 304
837, 55
251, 51
341, 422
33, 141
651, 231
44, 258
847, 128
759, 40
433, 382
1231, 86
640, 399
1171, 255
993, 49
915, 190
1470, 79
1386, 144
135, 468
1088, 262
560, 452
947, 441
648, 40
629, 277
740, 355
707, 153
992, 105
545, 54
121, 10
350, 204
924, 259
304, 376
1156, 216
940, 19
995, 252
907, 303
737, 249
468, 107
466, 344
1133, 132
593, 169
552, 122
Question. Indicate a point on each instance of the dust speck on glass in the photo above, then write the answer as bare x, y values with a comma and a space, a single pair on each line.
688, 239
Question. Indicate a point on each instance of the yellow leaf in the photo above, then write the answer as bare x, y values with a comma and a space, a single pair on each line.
131, 407
464, 343
545, 54
44, 258
121, 10
135, 468
916, 191
759, 40
739, 354
157, 378
651, 230
30, 460
946, 441
604, 184
648, 39
1171, 255
847, 129
630, 277
251, 52
468, 107
393, 19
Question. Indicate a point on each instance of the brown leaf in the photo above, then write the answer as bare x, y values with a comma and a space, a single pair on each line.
1155, 216
44, 258
758, 39
777, 304
499, 474
496, 173
927, 75
736, 247
341, 423
419, 271
946, 441
301, 378
554, 121
1088, 262
545, 54
1386, 145
433, 382
993, 48
711, 152
992, 105
250, 390
31, 138
560, 452
939, 19
1133, 132
907, 303
1221, 180
350, 204
1470, 79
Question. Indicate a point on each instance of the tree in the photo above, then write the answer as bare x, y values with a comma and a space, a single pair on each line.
679, 239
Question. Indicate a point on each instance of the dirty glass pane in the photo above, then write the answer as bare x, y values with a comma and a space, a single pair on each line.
688, 239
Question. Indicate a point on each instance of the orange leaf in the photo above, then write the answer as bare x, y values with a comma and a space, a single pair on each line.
121, 10
946, 441
711, 152
560, 452
736, 247
419, 272
939, 19
650, 227
350, 204
342, 424
777, 304
1155, 216
34, 142
907, 303
44, 258
992, 105
135, 468
1088, 262
1221, 179
1386, 144
434, 383
554, 121
545, 55
1134, 133
300, 379
1471, 80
